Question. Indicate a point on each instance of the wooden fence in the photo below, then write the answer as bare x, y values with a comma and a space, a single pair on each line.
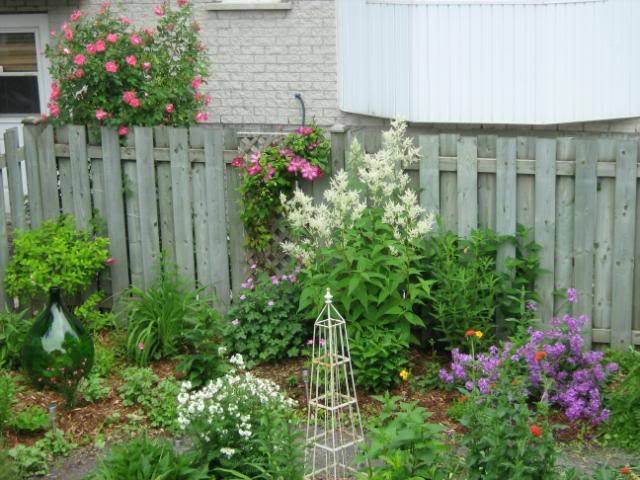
173, 190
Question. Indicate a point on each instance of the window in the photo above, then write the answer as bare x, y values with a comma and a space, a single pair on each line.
19, 92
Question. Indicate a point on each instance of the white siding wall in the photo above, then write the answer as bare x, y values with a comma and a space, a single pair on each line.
501, 62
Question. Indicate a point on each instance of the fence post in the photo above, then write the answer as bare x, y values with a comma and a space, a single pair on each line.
467, 176
32, 130
14, 178
80, 176
48, 174
4, 246
430, 173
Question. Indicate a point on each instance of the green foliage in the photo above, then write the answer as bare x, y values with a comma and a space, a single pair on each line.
30, 461
505, 438
158, 317
622, 398
429, 379
137, 386
204, 359
264, 324
13, 331
92, 318
9, 469
378, 355
403, 444
7, 399
104, 360
468, 292
158, 399
93, 388
144, 458
56, 444
33, 418
91, 72
54, 254
271, 173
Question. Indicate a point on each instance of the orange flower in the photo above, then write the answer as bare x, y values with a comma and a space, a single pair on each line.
540, 356
463, 399
625, 471
469, 333
535, 430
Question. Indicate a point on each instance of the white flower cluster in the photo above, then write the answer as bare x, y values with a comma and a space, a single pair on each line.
223, 410
380, 182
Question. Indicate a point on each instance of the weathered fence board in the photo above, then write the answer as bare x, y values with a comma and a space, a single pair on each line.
4, 246
175, 190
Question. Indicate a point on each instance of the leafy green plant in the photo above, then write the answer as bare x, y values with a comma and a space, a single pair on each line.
144, 458
622, 398
468, 292
263, 323
108, 72
104, 360
30, 461
55, 444
137, 386
33, 418
158, 317
205, 356
8, 468
7, 399
13, 330
403, 444
92, 318
93, 388
378, 354
505, 438
54, 254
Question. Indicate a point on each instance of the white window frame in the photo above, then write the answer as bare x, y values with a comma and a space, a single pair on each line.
37, 23
479, 2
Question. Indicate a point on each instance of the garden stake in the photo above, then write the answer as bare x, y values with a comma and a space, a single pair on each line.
334, 426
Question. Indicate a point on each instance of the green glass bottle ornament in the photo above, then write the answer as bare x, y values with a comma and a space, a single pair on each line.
58, 351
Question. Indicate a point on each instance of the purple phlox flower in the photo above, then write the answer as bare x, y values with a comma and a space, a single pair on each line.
531, 305
445, 376
274, 280
483, 386
235, 322
253, 266
468, 385
248, 284
310, 341
612, 367
572, 295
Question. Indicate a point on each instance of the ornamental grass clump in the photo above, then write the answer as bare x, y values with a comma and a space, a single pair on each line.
242, 425
105, 71
576, 377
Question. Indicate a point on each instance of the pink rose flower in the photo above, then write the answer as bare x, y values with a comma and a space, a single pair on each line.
168, 107
201, 117
68, 34
111, 67
79, 73
124, 20
75, 15
135, 39
148, 31
128, 96
110, 261
135, 103
146, 66
197, 96
79, 59
196, 82
104, 6
54, 109
66, 51
182, 3
131, 60
55, 91
100, 46
112, 37
52, 33
91, 49
101, 114
123, 130
158, 10
207, 100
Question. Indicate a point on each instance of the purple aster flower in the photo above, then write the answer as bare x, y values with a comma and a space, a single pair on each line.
572, 295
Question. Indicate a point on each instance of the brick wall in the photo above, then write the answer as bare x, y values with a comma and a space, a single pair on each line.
260, 59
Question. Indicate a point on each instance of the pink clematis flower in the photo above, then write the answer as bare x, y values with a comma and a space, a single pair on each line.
237, 162
79, 59
111, 67
101, 114
270, 172
131, 60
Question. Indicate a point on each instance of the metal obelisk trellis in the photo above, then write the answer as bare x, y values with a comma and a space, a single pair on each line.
334, 426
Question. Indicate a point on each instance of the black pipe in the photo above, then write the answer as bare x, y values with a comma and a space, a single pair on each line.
298, 97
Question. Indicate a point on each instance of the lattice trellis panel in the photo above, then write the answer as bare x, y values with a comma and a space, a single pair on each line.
273, 258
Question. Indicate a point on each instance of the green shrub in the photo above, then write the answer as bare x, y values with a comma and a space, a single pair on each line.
204, 359
33, 418
622, 398
263, 323
7, 399
13, 331
137, 386
54, 254
402, 444
145, 458
505, 438
158, 317
8, 468
92, 318
378, 354
30, 461
104, 360
468, 292
93, 388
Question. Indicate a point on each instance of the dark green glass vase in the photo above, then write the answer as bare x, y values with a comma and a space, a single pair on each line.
58, 351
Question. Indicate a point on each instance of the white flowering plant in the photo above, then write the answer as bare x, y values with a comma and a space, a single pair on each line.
242, 425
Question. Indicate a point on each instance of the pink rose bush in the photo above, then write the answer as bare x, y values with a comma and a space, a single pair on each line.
272, 172
108, 72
